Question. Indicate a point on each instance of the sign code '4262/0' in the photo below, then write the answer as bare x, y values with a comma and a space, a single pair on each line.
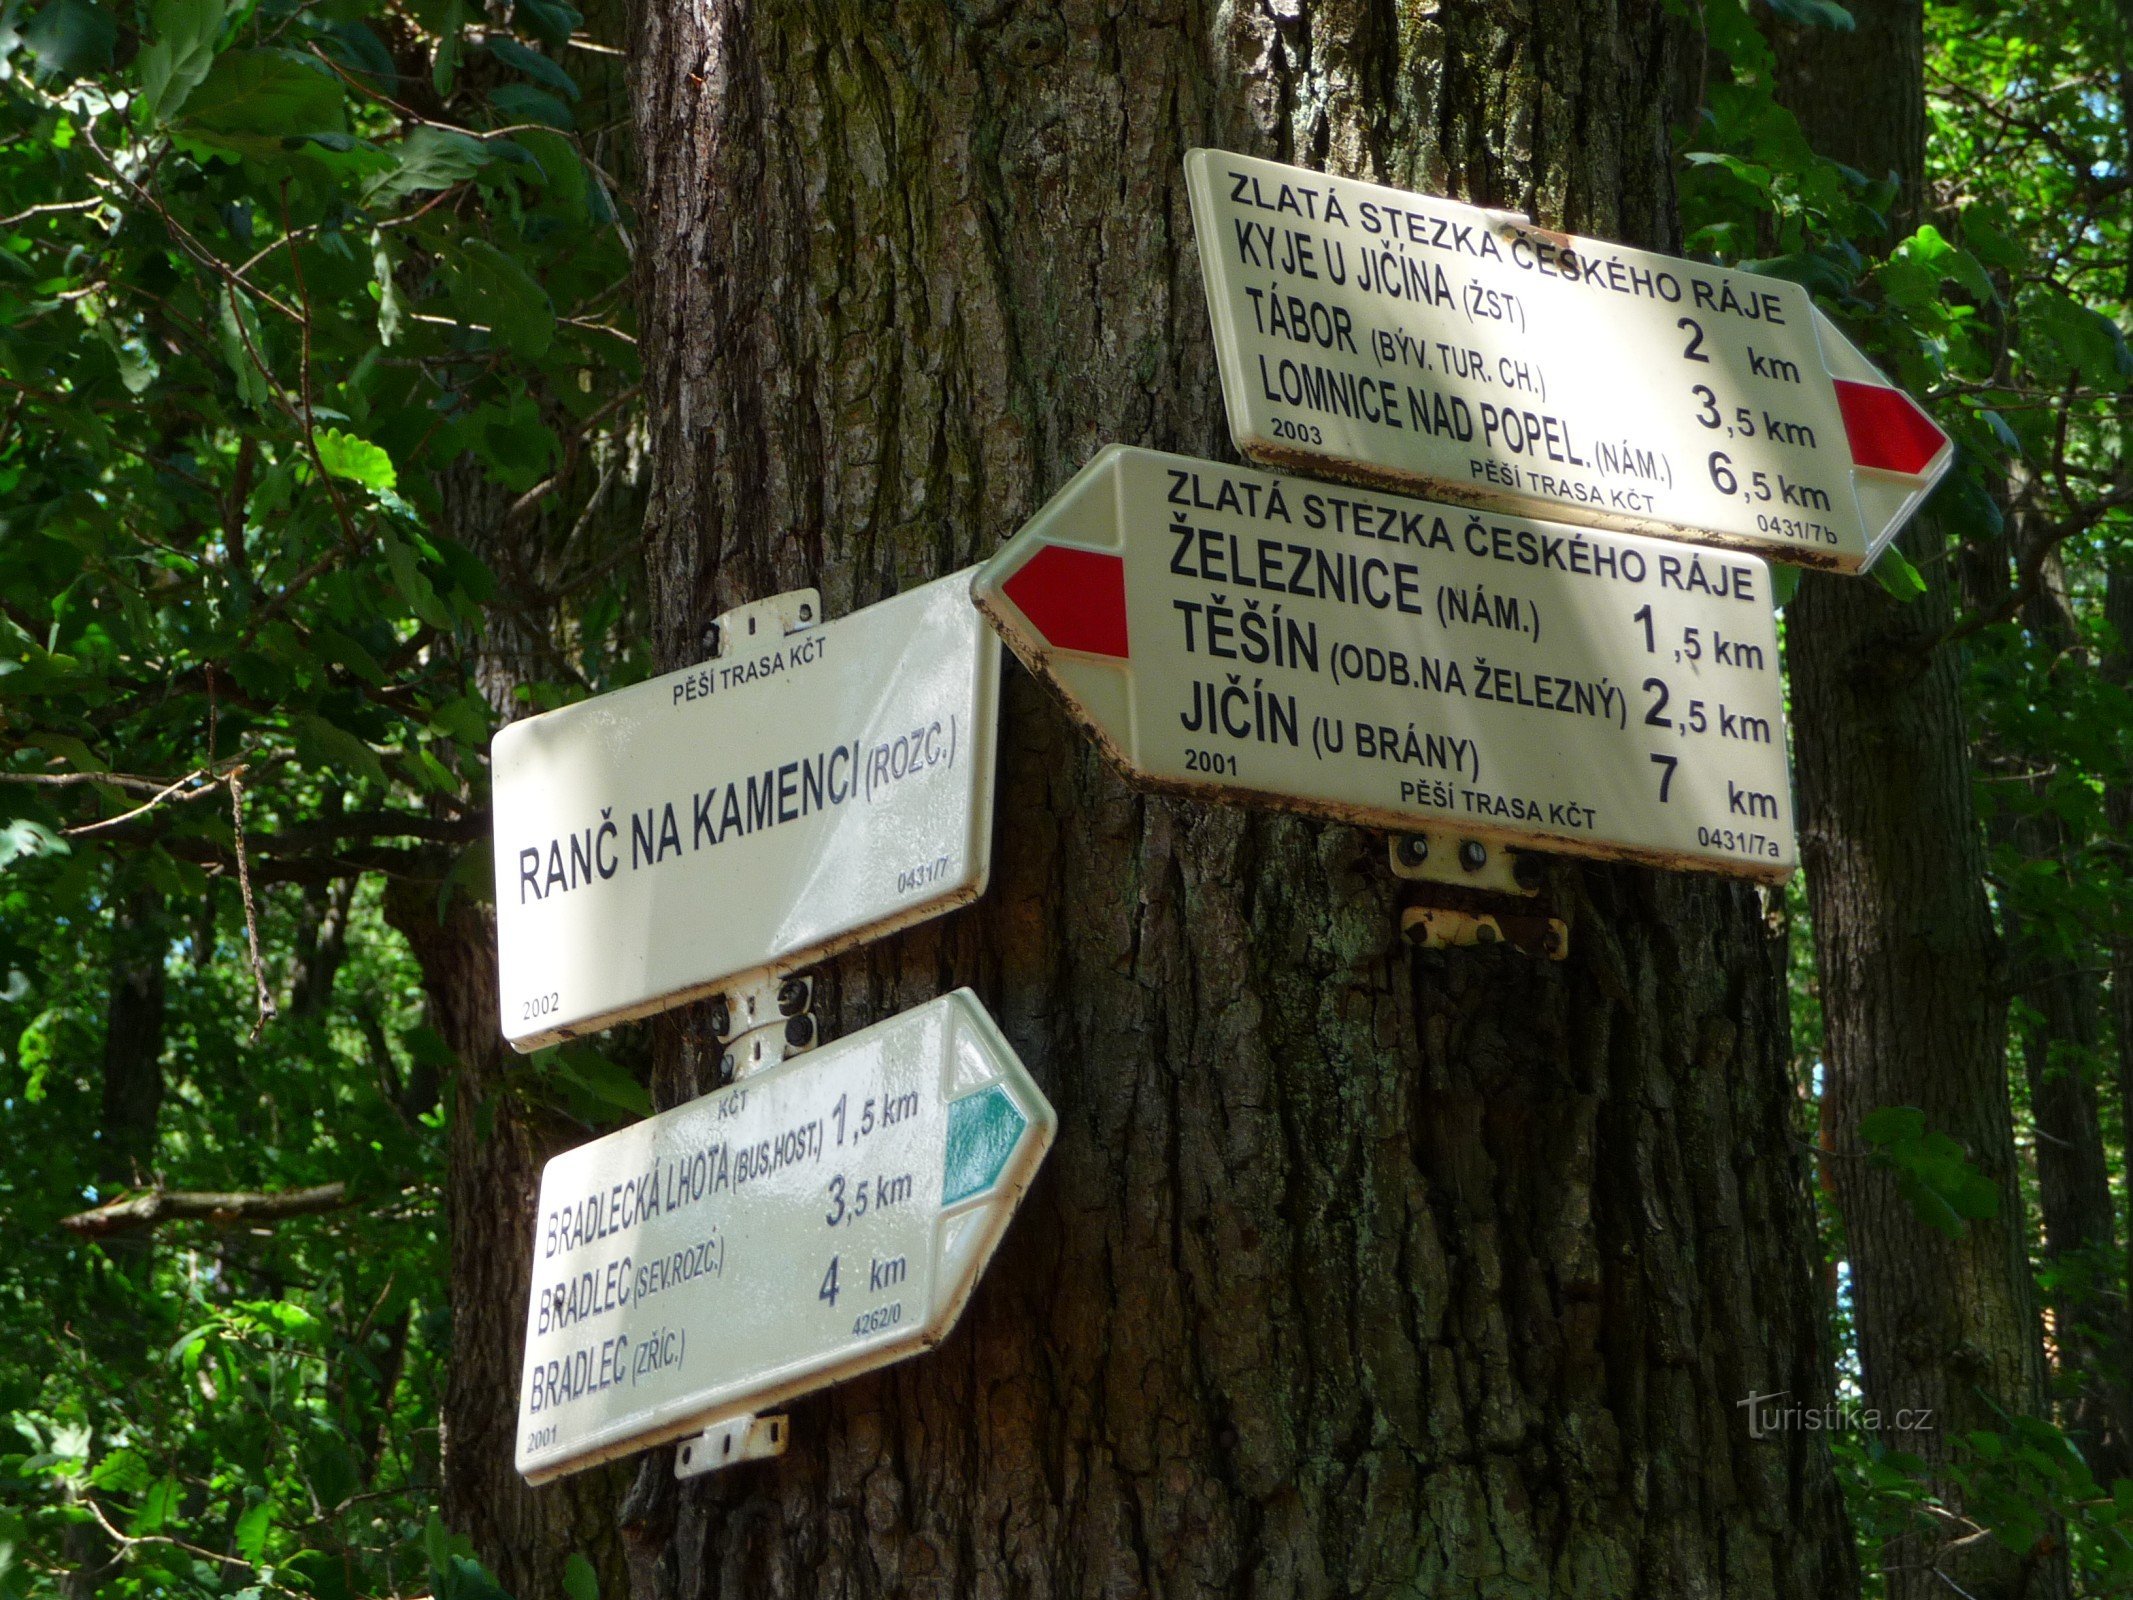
816, 1220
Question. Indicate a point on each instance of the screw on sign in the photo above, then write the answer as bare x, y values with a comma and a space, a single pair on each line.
1436, 348
1396, 663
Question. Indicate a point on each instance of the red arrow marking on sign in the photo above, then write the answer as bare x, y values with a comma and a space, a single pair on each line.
1887, 429
1075, 598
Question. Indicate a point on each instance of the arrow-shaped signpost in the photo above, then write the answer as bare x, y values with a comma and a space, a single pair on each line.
1435, 348
1229, 634
815, 1221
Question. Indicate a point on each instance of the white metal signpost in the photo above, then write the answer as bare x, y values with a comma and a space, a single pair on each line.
1223, 632
814, 1221
799, 794
1436, 348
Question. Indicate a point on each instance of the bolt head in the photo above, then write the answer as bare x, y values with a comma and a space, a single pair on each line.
721, 1020
1473, 855
792, 995
1551, 943
1486, 933
1414, 849
725, 1065
799, 1031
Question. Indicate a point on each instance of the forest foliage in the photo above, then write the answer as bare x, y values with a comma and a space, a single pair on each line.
317, 377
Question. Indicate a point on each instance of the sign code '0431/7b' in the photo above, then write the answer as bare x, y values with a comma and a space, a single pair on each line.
1435, 348
815, 1221
743, 817
1230, 634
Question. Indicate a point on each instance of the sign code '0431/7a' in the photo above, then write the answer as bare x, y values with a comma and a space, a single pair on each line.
816, 1220
1392, 662
1435, 348
743, 817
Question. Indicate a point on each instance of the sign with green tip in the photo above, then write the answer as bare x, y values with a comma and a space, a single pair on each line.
812, 1222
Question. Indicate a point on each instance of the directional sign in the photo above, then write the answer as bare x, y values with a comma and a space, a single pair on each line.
1431, 347
815, 1221
743, 817
1227, 633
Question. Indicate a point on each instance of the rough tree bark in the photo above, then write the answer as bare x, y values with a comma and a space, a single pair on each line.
1352, 1270
1911, 979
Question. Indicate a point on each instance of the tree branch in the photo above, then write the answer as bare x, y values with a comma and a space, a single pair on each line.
200, 1205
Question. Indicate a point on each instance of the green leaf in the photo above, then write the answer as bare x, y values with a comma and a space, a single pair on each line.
244, 347
1892, 1124
1784, 583
346, 456
430, 158
270, 92
408, 578
605, 1082
1896, 575
71, 37
490, 288
451, 50
361, 52
550, 21
22, 839
157, 1507
521, 102
252, 1529
174, 62
561, 168
389, 309
322, 744
513, 440
548, 74
580, 1582
465, 719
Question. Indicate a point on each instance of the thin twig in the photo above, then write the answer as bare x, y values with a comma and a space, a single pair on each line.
251, 916
149, 804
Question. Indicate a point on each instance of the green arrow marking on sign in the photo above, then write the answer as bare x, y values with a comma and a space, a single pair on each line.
983, 1130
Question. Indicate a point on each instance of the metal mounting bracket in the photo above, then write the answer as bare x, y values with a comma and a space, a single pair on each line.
728, 1444
1451, 927
1475, 893
1464, 863
762, 1023
762, 620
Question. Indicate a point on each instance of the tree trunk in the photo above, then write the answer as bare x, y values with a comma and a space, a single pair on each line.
2062, 1004
1911, 980
499, 1140
2118, 812
134, 1015
1353, 1269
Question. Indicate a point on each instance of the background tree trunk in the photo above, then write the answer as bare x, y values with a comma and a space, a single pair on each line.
498, 1140
1912, 988
1352, 1269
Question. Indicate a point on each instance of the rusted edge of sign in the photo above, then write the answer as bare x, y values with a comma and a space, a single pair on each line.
1039, 664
